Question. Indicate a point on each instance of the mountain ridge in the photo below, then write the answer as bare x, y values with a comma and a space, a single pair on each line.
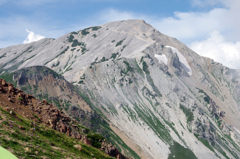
185, 101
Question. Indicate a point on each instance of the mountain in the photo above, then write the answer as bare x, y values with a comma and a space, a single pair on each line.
161, 98
47, 85
31, 128
44, 83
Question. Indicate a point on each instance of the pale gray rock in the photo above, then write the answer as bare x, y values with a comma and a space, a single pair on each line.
151, 102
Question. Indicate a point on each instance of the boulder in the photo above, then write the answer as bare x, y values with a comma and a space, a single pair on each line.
86, 141
21, 127
79, 147
4, 83
44, 101
27, 149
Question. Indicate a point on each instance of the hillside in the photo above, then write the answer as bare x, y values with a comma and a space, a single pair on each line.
46, 84
162, 99
36, 129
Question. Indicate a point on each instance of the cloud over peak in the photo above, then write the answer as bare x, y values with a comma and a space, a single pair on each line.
218, 48
32, 37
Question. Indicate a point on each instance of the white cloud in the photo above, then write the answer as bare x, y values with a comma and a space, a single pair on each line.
213, 34
32, 37
185, 26
216, 47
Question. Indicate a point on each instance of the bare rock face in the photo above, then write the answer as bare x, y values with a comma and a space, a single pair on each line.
111, 150
177, 67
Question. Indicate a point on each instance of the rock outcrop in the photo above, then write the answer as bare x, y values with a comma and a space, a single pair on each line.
16, 101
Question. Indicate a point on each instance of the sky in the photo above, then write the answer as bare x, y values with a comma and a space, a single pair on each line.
209, 27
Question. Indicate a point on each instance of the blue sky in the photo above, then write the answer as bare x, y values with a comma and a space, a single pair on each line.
209, 27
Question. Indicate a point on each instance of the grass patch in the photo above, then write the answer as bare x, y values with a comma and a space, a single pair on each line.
120, 43
188, 113
179, 152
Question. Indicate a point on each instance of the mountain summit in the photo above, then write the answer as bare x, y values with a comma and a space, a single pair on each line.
160, 97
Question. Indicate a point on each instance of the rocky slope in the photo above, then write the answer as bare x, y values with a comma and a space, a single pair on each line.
42, 115
163, 97
44, 83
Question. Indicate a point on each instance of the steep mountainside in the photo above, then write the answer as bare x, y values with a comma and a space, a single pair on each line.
26, 120
46, 84
160, 97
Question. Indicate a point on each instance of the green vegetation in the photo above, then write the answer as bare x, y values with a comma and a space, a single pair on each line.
149, 79
95, 28
76, 43
55, 65
179, 152
205, 142
20, 98
114, 55
154, 123
113, 41
111, 136
129, 68
119, 43
43, 141
80, 82
94, 35
8, 77
85, 32
4, 55
70, 38
145, 68
123, 47
188, 113
74, 32
206, 98
103, 59
30, 57
95, 138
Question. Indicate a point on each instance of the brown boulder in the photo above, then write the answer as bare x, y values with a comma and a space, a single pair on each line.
27, 149
86, 141
79, 147
44, 101
7, 109
4, 83
63, 128
21, 127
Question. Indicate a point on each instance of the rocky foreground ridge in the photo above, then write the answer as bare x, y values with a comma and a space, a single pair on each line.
15, 101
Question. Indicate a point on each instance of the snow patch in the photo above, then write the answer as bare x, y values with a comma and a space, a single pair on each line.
182, 59
161, 58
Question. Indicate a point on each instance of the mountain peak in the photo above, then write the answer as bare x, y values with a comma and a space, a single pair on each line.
132, 26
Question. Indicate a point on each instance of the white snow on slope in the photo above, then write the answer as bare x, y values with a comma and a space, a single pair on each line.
183, 60
161, 58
